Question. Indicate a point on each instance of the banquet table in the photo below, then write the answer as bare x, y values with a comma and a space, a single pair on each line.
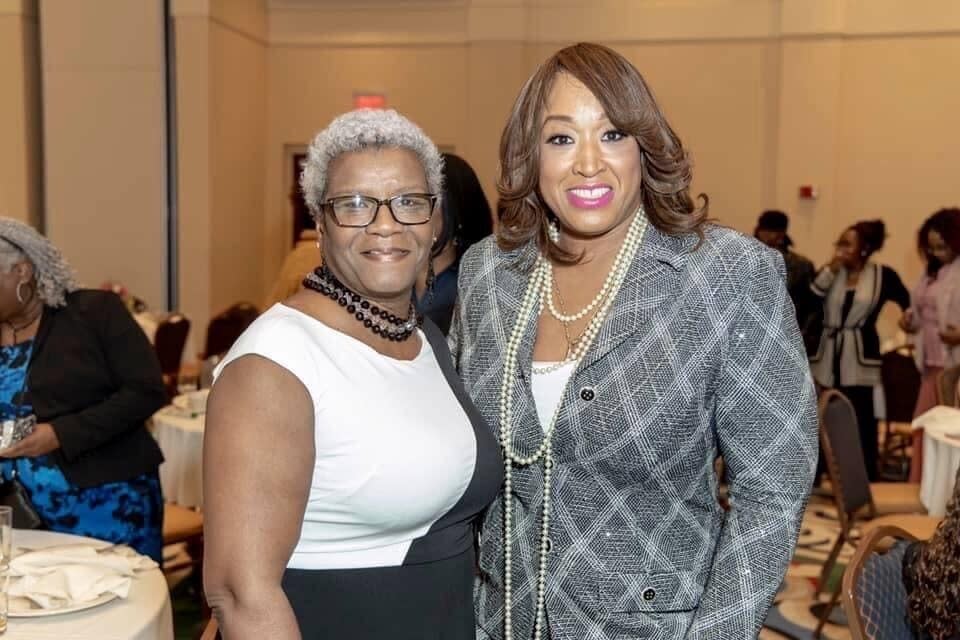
179, 432
941, 456
145, 614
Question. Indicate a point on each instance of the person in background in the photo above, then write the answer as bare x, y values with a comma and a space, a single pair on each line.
852, 290
76, 360
465, 221
771, 230
931, 577
301, 260
934, 317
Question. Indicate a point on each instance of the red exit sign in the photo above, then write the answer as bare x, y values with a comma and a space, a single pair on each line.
369, 101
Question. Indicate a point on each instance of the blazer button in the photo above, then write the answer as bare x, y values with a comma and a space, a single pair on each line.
649, 594
587, 394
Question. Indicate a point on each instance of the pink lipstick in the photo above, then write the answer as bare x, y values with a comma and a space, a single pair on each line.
590, 196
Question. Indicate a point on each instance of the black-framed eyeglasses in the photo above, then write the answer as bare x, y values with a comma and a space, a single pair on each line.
359, 210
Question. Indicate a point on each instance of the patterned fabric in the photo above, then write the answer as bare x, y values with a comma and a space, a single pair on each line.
125, 512
881, 599
699, 356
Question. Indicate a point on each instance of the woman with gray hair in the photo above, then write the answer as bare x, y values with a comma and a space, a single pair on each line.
78, 379
344, 464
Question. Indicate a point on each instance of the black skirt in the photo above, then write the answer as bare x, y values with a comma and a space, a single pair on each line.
430, 600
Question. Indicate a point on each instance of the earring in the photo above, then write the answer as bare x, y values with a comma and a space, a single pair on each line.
19, 294
553, 231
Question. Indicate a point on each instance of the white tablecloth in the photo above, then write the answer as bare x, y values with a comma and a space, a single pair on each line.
180, 436
941, 456
143, 615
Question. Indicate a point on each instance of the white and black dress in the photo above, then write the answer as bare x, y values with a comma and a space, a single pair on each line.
404, 466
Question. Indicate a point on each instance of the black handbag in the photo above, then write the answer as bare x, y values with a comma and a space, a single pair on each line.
12, 492
14, 495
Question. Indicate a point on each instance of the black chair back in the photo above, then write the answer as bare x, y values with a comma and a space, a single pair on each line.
169, 341
226, 327
840, 440
901, 385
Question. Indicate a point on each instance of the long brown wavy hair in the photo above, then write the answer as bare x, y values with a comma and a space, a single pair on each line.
934, 602
630, 106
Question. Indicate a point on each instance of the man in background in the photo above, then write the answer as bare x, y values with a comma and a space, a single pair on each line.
772, 231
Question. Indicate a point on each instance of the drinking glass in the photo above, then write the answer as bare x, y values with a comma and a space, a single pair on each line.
6, 547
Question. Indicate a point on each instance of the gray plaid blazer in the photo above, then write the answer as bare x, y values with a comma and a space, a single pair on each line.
699, 356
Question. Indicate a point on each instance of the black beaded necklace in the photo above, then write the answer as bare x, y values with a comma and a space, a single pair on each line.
380, 321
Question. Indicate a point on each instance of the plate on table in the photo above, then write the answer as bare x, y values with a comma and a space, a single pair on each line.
194, 401
26, 608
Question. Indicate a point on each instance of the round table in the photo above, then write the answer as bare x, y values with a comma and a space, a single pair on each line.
179, 433
145, 614
941, 457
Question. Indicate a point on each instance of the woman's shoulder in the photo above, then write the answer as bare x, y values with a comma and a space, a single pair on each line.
282, 324
94, 299
285, 336
729, 254
486, 258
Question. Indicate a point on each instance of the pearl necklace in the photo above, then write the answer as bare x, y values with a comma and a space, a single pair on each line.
538, 289
608, 291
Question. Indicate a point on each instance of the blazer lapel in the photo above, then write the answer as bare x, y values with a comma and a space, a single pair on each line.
651, 282
512, 281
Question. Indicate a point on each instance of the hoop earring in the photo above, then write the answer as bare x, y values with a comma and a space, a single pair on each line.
19, 293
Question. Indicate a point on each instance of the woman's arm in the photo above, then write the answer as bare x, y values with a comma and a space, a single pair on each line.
258, 457
132, 362
895, 289
766, 428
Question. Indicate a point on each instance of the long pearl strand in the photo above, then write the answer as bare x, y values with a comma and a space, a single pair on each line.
540, 288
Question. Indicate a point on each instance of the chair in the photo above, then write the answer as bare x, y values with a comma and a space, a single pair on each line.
211, 631
852, 491
921, 527
947, 381
874, 597
901, 386
181, 524
169, 341
226, 327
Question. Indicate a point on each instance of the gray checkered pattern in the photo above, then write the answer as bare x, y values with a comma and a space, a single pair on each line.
699, 356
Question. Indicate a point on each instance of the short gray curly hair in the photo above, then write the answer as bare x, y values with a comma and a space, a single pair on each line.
365, 129
54, 276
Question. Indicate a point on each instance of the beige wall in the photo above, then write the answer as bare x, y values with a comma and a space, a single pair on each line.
221, 120
104, 149
852, 96
20, 164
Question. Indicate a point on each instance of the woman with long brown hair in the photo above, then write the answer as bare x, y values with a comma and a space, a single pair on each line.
619, 344
931, 575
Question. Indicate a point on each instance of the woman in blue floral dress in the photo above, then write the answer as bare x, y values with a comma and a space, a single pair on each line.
77, 361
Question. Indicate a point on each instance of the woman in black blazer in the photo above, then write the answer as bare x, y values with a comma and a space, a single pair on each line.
75, 363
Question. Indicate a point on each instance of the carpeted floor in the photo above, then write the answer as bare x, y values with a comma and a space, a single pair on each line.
790, 616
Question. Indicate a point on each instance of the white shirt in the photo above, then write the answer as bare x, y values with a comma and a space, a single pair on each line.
395, 450
548, 390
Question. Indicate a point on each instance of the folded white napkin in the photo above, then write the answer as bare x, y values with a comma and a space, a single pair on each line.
939, 418
61, 576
